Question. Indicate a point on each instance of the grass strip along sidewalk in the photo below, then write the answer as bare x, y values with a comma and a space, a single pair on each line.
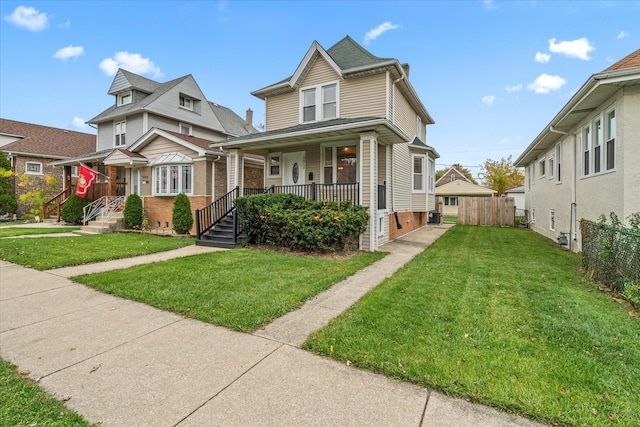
503, 317
24, 403
241, 289
26, 231
55, 252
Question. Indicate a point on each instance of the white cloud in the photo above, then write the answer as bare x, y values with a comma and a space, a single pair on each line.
579, 48
542, 57
69, 52
489, 4
622, 35
79, 123
514, 88
545, 83
29, 18
488, 100
133, 62
378, 31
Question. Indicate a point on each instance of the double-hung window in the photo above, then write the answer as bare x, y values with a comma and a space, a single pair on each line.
558, 161
185, 129
319, 103
120, 132
551, 167
597, 147
542, 164
432, 176
273, 164
340, 164
186, 102
586, 150
418, 174
610, 144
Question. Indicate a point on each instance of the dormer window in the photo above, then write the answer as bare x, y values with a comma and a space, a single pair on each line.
124, 98
319, 103
186, 102
185, 129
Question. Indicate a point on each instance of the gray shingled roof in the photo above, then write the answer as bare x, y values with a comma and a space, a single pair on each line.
230, 121
135, 82
114, 111
349, 54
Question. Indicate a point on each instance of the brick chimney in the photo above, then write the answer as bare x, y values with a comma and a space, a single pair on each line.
405, 66
248, 123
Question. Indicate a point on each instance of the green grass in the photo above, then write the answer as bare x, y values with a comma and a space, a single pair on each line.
240, 289
23, 403
453, 219
24, 231
503, 317
54, 252
10, 223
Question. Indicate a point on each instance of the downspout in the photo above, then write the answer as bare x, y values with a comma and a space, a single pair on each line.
393, 159
572, 208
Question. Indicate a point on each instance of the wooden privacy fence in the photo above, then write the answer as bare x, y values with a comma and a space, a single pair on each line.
498, 211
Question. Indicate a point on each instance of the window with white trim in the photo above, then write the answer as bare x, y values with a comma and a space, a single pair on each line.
418, 173
124, 98
533, 214
340, 164
33, 168
273, 165
319, 103
185, 129
551, 167
432, 176
74, 171
552, 220
610, 144
170, 180
186, 102
120, 132
558, 161
450, 200
542, 165
586, 150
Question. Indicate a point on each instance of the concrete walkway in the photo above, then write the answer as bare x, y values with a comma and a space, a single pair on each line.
122, 363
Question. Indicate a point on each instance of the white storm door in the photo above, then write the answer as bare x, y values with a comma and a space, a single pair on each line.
293, 168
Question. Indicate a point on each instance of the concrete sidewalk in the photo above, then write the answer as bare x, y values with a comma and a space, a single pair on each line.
123, 363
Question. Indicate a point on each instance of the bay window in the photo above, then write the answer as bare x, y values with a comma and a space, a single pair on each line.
418, 174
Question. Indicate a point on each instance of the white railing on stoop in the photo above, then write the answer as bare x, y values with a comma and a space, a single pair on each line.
106, 207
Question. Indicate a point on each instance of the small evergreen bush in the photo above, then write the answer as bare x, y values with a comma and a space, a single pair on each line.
133, 213
8, 203
71, 210
181, 217
289, 221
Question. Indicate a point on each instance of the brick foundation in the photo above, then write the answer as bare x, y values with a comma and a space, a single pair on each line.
160, 209
410, 221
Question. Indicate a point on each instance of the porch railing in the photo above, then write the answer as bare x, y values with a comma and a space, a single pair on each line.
106, 207
313, 191
210, 215
54, 204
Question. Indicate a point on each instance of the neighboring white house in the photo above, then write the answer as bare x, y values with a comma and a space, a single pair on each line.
518, 196
585, 163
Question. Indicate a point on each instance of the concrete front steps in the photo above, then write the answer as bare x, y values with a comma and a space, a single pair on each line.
100, 226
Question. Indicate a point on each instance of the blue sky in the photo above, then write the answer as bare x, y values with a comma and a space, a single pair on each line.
491, 73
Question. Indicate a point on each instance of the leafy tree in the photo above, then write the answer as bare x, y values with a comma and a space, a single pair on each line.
464, 171
501, 175
8, 203
71, 210
181, 217
133, 214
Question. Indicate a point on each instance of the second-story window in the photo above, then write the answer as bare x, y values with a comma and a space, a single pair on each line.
124, 98
185, 129
120, 132
186, 102
319, 103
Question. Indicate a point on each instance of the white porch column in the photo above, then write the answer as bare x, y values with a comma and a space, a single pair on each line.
369, 187
235, 170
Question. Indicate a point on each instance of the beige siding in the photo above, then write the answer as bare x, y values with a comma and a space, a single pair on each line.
320, 73
363, 97
161, 145
365, 183
282, 111
201, 178
404, 116
401, 177
419, 202
117, 158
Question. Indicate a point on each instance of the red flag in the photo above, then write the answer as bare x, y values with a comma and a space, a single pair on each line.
86, 177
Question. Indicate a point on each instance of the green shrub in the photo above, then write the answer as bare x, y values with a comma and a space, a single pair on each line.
71, 210
182, 218
290, 221
133, 213
8, 203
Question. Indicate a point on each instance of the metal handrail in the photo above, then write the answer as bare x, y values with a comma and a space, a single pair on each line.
212, 214
106, 206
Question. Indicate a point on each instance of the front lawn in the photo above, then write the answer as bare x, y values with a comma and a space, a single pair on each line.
503, 317
241, 289
25, 231
23, 403
54, 252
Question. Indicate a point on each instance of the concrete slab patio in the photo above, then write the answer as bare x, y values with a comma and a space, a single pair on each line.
123, 363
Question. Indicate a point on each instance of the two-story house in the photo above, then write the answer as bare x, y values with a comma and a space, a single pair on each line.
584, 163
155, 141
347, 125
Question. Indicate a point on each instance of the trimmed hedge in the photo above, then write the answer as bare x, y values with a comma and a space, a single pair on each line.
71, 210
133, 213
181, 216
290, 221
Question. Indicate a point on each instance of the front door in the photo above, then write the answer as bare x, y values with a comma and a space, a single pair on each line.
293, 167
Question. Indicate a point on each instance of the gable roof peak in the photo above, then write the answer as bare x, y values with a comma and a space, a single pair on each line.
348, 53
630, 61
124, 80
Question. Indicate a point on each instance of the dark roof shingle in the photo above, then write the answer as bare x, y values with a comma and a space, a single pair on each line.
629, 61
